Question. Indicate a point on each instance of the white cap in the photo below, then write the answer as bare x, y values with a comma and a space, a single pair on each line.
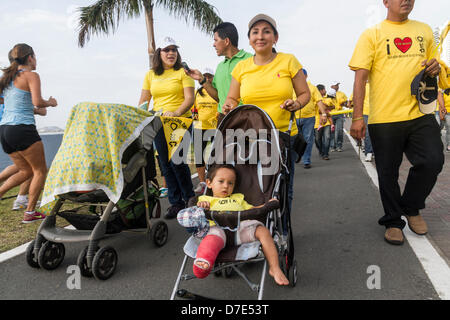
208, 70
332, 93
166, 42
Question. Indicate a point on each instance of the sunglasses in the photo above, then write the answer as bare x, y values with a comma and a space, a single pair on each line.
166, 50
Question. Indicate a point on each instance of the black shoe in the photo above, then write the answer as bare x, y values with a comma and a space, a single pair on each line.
307, 166
172, 212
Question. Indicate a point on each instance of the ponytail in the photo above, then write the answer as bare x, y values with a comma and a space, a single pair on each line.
17, 56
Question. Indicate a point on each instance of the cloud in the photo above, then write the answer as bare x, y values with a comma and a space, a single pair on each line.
38, 17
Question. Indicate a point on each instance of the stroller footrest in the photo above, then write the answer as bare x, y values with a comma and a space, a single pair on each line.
60, 235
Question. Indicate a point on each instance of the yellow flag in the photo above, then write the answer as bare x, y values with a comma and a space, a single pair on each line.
174, 131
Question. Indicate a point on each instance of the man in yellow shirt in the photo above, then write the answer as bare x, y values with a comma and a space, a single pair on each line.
337, 136
390, 55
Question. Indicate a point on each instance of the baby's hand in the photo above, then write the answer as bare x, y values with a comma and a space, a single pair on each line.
203, 204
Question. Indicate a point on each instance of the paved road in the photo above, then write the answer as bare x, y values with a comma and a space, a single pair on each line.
336, 239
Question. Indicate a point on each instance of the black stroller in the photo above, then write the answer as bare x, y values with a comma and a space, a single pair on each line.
95, 217
260, 155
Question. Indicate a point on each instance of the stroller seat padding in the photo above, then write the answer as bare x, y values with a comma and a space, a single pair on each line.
95, 196
230, 219
136, 163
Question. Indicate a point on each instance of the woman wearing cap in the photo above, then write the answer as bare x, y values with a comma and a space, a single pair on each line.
268, 80
19, 138
207, 109
172, 92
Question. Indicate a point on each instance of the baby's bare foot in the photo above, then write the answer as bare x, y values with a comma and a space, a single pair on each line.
279, 276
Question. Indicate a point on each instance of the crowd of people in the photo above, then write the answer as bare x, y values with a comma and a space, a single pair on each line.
384, 114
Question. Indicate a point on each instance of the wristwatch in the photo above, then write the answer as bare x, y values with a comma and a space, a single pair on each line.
203, 81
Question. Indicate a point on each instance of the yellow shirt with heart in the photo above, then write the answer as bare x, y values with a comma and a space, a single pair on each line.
393, 52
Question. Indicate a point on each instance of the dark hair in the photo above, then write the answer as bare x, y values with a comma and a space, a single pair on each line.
18, 56
228, 30
213, 170
320, 87
158, 67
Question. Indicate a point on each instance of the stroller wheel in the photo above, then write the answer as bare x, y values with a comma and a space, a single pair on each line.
159, 233
82, 264
104, 263
227, 272
31, 258
292, 276
51, 255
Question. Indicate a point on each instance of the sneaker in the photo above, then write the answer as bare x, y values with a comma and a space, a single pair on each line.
448, 149
368, 157
307, 166
332, 150
339, 150
394, 236
32, 217
201, 187
172, 212
326, 158
163, 192
417, 225
22, 205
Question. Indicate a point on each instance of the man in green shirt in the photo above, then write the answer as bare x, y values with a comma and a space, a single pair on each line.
226, 40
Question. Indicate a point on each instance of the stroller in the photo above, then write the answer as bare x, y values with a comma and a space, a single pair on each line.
262, 162
96, 217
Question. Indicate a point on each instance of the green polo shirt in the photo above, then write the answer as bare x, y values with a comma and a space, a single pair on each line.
222, 77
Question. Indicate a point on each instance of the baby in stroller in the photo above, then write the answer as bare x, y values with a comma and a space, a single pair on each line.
222, 180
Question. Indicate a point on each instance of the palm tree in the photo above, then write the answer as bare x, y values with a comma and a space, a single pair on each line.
104, 16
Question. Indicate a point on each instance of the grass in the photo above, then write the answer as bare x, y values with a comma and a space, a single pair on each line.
14, 233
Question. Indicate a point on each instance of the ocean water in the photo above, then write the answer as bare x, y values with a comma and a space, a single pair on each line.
51, 145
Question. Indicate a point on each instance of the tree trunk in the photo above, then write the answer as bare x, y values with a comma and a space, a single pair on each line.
150, 34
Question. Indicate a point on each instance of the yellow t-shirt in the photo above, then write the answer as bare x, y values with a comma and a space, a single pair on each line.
366, 106
235, 202
393, 52
269, 86
207, 111
340, 99
447, 102
310, 109
167, 89
328, 102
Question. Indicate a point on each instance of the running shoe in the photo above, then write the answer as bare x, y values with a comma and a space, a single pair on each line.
32, 217
163, 192
368, 157
21, 205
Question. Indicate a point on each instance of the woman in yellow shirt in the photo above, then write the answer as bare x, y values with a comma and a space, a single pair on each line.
173, 94
206, 119
268, 79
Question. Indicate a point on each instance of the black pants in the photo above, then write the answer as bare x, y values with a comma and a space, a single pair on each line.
420, 140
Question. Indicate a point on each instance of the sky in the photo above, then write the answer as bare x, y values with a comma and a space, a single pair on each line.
110, 69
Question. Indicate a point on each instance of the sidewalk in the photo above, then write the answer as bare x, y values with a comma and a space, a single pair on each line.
437, 211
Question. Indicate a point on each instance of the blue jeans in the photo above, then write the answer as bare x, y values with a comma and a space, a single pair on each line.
177, 176
306, 127
323, 140
337, 137
367, 143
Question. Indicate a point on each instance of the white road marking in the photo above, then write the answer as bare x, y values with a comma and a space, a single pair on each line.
434, 265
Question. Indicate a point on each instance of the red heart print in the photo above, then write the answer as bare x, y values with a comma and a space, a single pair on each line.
403, 45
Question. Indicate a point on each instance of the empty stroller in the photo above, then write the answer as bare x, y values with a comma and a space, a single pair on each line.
260, 156
131, 205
